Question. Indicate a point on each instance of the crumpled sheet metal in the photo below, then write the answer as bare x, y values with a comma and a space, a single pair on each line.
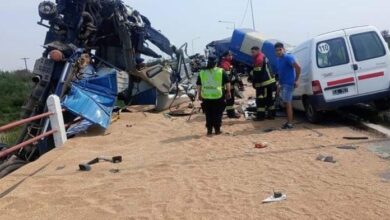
93, 99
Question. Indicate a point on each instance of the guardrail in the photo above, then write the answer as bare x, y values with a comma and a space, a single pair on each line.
56, 121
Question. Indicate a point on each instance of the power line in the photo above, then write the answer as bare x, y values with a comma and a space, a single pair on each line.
253, 16
246, 11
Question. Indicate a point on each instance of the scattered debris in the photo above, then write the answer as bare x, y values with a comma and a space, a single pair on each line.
60, 167
87, 166
385, 176
276, 197
114, 170
268, 130
328, 159
261, 145
347, 147
355, 138
179, 113
116, 159
314, 130
129, 126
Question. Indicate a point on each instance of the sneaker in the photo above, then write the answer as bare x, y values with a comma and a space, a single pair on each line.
287, 126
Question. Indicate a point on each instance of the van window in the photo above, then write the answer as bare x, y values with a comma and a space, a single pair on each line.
332, 53
367, 46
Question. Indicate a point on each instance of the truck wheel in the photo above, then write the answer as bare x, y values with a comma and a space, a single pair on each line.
382, 105
312, 115
10, 165
2, 147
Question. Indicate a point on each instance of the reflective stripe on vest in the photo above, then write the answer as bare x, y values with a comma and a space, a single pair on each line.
265, 83
211, 81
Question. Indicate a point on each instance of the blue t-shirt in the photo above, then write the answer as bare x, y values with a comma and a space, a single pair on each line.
286, 70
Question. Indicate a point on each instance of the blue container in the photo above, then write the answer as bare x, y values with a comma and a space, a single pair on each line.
242, 42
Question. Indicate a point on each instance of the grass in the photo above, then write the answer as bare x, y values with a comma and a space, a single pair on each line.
9, 138
15, 88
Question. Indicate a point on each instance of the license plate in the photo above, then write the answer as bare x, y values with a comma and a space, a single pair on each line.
340, 91
44, 67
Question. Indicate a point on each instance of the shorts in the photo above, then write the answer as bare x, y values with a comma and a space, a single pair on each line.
286, 93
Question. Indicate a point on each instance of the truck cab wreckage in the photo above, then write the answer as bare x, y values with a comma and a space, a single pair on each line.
91, 59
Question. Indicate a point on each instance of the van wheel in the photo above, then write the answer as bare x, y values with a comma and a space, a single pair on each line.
312, 115
382, 105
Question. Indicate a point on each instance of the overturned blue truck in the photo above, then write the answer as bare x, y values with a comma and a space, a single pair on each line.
240, 44
92, 57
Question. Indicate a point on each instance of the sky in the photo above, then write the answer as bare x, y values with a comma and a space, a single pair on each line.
185, 20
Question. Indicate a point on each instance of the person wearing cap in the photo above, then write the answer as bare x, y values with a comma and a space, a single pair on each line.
213, 87
227, 65
265, 84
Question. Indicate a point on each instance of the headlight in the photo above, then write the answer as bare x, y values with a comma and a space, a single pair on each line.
47, 10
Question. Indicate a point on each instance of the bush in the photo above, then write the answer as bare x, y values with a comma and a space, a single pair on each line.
15, 88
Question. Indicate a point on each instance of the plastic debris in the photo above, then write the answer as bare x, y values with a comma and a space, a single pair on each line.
347, 147
261, 145
328, 159
276, 197
356, 138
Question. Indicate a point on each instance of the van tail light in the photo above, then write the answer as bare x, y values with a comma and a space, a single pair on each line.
316, 85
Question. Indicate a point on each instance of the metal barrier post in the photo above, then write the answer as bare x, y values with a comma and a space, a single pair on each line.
56, 120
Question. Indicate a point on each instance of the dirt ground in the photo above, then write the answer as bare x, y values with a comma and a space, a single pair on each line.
171, 170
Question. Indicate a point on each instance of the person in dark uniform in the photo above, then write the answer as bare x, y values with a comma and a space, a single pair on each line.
265, 84
213, 87
227, 65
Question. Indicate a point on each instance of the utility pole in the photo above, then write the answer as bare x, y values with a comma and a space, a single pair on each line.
25, 62
253, 16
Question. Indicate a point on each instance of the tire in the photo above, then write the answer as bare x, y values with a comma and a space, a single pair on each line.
10, 166
2, 147
382, 105
312, 115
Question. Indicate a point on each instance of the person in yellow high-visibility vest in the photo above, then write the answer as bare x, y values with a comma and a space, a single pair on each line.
213, 89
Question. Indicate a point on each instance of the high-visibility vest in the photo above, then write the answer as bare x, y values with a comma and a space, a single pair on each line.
211, 81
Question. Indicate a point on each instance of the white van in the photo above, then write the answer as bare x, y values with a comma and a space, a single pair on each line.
342, 68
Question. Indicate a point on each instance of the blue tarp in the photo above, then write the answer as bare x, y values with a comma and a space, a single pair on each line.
93, 98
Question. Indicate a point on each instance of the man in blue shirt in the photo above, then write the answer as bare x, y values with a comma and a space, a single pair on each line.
289, 71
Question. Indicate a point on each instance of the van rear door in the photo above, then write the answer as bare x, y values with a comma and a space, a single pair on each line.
334, 66
371, 59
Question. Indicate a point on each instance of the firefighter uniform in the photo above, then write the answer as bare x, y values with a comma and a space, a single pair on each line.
265, 84
226, 65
